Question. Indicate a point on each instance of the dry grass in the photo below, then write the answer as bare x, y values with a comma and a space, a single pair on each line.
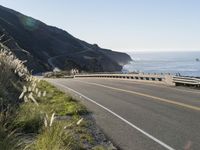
13, 75
28, 111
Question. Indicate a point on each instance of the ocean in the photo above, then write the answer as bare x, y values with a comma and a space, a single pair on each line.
184, 63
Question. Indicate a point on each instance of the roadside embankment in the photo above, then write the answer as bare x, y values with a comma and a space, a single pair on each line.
35, 115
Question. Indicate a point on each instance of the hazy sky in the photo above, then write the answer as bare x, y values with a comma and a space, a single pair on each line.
123, 25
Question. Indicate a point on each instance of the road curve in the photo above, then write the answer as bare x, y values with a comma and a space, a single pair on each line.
140, 116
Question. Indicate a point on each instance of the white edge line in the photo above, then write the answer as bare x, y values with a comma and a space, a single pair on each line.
113, 113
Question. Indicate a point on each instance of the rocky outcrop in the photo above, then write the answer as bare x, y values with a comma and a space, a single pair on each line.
40, 44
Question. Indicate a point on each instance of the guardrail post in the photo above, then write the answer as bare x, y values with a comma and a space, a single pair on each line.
168, 79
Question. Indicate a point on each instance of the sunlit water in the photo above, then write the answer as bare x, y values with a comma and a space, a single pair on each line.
184, 63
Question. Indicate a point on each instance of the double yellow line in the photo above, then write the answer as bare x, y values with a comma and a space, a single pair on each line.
146, 95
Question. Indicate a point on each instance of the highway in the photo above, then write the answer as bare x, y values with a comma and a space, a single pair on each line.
140, 116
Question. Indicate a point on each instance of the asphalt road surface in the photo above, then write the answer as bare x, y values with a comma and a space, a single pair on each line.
140, 116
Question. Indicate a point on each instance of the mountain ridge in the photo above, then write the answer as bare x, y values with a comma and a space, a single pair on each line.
37, 42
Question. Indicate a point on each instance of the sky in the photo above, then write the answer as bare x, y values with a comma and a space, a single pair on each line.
122, 25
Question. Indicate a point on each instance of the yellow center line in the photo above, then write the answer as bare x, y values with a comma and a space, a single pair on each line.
154, 84
146, 95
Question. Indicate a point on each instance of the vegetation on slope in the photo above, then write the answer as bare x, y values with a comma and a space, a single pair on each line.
35, 115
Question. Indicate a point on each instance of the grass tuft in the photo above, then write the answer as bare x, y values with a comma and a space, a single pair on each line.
55, 138
29, 118
59, 102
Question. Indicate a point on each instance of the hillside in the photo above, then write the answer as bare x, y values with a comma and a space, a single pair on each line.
45, 47
35, 115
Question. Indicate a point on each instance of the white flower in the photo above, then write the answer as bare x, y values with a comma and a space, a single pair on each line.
46, 121
25, 99
36, 90
39, 94
44, 94
33, 99
52, 119
79, 122
21, 96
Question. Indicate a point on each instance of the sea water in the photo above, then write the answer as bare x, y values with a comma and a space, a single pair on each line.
183, 63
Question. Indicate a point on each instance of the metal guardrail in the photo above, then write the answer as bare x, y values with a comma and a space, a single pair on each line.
125, 76
186, 81
165, 79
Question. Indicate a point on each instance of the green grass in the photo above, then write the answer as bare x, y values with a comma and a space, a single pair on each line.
100, 147
28, 120
65, 134
58, 102
26, 125
30, 116
55, 138
8, 141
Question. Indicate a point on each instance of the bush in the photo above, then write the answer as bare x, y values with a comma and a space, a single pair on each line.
9, 140
55, 138
29, 118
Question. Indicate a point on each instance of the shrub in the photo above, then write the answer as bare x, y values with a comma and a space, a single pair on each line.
55, 138
9, 140
29, 118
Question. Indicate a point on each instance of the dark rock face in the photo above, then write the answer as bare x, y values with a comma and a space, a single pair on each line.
45, 47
